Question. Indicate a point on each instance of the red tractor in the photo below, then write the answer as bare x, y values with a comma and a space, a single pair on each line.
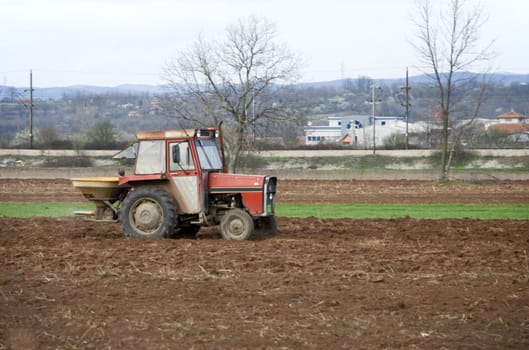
179, 184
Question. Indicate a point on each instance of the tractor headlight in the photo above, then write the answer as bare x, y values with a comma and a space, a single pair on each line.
270, 204
269, 195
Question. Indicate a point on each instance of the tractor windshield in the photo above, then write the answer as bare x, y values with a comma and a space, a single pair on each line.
208, 155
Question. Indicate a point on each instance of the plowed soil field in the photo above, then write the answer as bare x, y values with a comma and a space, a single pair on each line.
67, 283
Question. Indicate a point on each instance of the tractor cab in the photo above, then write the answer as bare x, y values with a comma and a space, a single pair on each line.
177, 151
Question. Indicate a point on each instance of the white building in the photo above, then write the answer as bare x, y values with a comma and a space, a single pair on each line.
357, 130
333, 130
377, 130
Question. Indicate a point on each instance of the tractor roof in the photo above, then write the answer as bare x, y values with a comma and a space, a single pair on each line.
175, 134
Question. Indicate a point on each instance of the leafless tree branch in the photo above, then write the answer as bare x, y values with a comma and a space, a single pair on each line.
236, 80
448, 44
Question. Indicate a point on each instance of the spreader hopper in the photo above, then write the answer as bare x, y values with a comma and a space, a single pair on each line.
103, 191
94, 188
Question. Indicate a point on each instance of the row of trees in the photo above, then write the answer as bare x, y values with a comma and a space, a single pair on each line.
74, 114
100, 136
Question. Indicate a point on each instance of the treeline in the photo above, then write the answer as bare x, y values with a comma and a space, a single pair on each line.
80, 120
112, 119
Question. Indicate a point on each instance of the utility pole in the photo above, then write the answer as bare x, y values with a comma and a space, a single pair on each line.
373, 102
30, 109
373, 114
407, 108
406, 104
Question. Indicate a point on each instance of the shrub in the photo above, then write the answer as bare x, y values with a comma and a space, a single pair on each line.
395, 141
78, 143
249, 161
102, 135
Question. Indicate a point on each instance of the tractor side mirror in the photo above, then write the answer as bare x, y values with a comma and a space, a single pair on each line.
176, 153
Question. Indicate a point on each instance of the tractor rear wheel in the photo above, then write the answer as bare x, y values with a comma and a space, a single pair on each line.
236, 224
148, 212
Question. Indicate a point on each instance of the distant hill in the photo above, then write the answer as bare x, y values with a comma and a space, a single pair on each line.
58, 92
497, 78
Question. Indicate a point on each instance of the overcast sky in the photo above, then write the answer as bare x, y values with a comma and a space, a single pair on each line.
113, 42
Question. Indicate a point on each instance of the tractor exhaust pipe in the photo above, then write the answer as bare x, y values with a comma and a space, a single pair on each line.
221, 142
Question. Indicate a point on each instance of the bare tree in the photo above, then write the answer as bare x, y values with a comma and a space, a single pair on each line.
448, 43
238, 80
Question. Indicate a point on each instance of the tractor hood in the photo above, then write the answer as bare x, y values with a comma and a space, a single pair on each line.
257, 191
235, 183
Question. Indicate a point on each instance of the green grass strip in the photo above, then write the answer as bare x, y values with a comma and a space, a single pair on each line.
321, 210
418, 211
24, 210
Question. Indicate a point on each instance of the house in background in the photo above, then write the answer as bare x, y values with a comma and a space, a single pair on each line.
513, 117
513, 124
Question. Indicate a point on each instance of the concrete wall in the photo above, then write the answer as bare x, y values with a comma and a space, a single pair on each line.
412, 153
55, 153
280, 154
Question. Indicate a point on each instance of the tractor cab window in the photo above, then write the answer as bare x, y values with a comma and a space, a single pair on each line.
151, 157
181, 157
208, 155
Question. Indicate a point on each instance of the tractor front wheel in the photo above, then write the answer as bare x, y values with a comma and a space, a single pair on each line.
236, 224
148, 212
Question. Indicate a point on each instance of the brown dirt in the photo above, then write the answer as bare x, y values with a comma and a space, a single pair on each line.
402, 191
309, 191
66, 283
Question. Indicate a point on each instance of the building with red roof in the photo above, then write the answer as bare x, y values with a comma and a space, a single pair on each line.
513, 117
511, 123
